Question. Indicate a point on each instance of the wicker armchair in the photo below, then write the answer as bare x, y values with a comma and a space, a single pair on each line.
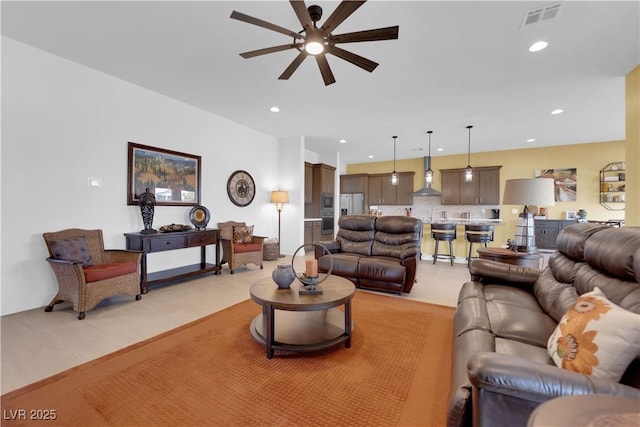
240, 249
86, 272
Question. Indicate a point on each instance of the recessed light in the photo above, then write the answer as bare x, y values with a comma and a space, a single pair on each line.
370, 156
538, 46
343, 141
531, 140
439, 149
274, 109
557, 111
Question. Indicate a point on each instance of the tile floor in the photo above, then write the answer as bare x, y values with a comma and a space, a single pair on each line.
36, 344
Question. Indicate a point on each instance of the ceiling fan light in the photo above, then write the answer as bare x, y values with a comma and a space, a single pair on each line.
314, 47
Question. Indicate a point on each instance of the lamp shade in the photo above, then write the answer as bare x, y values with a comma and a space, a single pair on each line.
279, 196
529, 191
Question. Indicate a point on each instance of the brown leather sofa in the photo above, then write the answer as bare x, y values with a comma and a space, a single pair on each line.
505, 315
375, 253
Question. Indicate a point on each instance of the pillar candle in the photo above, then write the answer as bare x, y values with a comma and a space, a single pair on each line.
311, 267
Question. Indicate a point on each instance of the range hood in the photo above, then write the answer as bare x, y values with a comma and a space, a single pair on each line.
427, 191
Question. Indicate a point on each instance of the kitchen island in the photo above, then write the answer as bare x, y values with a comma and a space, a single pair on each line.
460, 244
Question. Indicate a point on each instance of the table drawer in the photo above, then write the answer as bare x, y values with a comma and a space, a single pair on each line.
167, 243
201, 239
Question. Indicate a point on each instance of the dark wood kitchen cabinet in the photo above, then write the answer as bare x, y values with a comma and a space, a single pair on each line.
323, 178
321, 181
313, 232
547, 231
483, 190
404, 189
308, 182
382, 192
356, 183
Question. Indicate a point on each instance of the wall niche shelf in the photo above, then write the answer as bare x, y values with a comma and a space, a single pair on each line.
612, 186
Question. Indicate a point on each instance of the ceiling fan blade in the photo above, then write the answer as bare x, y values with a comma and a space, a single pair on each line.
293, 66
325, 70
301, 12
388, 33
266, 50
264, 24
364, 63
342, 12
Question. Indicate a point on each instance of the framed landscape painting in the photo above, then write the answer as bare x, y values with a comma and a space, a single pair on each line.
173, 177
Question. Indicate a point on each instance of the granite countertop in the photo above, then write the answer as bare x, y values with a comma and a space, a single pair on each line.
475, 221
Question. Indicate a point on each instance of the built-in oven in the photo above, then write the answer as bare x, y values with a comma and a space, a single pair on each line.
326, 202
327, 223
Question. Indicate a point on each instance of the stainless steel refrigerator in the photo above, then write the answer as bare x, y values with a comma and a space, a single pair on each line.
352, 204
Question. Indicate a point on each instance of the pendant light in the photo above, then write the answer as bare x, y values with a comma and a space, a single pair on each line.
428, 174
468, 173
394, 176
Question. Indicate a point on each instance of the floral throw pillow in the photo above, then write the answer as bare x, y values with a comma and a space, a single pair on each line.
242, 233
596, 337
74, 249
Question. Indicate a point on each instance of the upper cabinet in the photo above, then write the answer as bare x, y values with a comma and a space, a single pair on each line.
612, 186
382, 192
356, 183
404, 189
324, 178
308, 182
318, 179
483, 190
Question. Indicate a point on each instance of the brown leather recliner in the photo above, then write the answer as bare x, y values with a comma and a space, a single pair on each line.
375, 253
501, 368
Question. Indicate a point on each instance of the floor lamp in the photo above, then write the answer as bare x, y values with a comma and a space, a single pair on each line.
528, 191
279, 197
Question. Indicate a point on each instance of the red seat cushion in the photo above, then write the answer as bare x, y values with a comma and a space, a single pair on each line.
96, 273
246, 247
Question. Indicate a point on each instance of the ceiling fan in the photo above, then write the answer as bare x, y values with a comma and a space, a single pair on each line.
317, 42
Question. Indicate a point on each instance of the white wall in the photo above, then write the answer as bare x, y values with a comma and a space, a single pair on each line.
63, 123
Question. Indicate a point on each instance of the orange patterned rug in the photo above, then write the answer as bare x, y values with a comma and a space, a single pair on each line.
211, 372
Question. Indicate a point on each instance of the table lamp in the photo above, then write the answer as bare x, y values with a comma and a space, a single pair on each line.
279, 197
528, 191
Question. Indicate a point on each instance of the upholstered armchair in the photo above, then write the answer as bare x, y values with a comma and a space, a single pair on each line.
86, 272
239, 245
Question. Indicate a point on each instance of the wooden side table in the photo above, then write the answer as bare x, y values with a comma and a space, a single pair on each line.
508, 256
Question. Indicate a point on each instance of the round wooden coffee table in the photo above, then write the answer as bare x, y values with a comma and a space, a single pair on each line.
303, 322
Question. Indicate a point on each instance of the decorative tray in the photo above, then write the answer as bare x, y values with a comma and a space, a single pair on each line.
172, 228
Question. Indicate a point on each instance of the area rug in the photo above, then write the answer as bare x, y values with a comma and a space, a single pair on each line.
212, 372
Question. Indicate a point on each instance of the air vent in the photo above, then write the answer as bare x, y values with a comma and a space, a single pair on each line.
541, 14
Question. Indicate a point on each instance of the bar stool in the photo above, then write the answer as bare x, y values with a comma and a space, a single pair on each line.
475, 233
444, 232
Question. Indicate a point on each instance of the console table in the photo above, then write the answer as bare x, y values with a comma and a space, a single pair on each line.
158, 242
